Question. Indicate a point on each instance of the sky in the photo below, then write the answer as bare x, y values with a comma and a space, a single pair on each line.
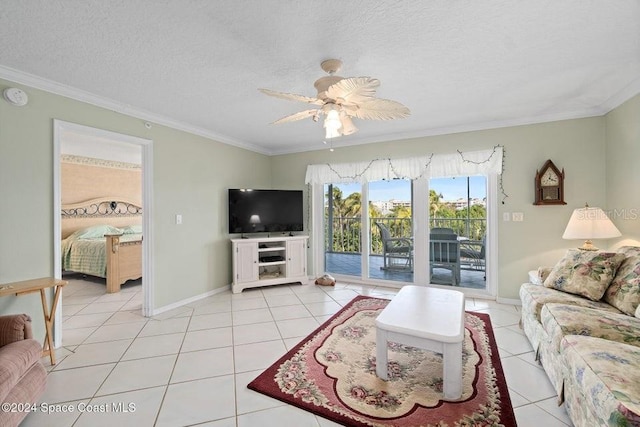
450, 188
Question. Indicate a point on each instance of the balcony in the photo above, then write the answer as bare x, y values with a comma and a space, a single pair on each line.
343, 255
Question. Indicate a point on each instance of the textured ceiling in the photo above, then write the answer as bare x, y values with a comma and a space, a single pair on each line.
197, 65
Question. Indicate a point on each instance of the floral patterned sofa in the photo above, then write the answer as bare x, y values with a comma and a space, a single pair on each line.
582, 318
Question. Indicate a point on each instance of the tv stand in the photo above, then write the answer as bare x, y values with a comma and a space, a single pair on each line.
268, 261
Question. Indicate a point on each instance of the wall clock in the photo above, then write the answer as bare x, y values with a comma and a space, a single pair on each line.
549, 185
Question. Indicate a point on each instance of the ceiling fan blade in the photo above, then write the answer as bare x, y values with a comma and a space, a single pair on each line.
297, 116
353, 90
291, 96
379, 109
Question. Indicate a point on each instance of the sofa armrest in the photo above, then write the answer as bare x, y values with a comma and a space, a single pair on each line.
538, 276
14, 327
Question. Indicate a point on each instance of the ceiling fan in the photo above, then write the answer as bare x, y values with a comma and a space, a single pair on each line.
340, 99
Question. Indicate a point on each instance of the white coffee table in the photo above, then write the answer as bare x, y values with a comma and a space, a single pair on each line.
427, 318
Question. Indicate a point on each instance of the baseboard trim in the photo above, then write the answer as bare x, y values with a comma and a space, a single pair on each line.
186, 301
512, 301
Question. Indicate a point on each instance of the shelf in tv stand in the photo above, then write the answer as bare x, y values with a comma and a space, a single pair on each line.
266, 264
272, 248
288, 262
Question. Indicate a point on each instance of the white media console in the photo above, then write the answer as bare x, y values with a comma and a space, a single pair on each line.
268, 261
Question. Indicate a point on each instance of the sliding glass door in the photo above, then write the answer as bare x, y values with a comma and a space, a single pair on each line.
391, 255
342, 229
458, 231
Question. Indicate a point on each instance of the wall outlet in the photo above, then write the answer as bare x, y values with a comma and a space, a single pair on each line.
518, 216
178, 219
506, 216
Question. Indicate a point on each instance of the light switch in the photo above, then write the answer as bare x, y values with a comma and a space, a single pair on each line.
178, 219
506, 216
518, 216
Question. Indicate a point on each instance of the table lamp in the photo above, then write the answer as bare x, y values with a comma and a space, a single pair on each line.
590, 223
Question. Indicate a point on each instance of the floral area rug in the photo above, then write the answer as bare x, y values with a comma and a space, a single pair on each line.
332, 373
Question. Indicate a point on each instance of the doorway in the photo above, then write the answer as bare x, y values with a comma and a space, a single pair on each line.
88, 138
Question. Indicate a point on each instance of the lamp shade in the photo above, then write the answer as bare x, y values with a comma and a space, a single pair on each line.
590, 223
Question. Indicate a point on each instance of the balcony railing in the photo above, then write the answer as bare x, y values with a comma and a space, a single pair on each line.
343, 235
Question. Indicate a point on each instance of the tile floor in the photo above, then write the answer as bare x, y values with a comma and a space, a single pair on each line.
191, 366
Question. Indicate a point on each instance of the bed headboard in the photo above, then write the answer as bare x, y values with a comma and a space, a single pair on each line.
113, 211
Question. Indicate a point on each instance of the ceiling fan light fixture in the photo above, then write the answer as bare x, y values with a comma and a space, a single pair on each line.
348, 127
332, 124
340, 99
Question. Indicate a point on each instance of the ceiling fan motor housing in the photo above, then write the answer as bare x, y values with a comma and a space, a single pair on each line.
323, 83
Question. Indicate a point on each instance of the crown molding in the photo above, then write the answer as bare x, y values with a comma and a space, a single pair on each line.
51, 86
36, 82
626, 93
448, 130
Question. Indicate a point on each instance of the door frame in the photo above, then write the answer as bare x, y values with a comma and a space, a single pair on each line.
60, 127
420, 234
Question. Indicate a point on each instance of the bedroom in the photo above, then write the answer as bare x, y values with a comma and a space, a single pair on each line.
101, 193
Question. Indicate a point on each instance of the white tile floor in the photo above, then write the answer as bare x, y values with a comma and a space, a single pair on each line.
191, 366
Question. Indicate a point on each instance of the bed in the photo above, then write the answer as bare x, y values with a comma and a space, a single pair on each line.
103, 238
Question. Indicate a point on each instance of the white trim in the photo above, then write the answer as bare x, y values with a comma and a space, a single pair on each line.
511, 301
146, 145
148, 280
491, 244
628, 92
317, 230
119, 107
420, 215
37, 82
189, 300
57, 230
450, 130
366, 230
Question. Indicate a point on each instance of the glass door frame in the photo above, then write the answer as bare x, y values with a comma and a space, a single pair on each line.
420, 214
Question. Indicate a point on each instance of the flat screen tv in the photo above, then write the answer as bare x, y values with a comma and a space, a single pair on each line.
265, 211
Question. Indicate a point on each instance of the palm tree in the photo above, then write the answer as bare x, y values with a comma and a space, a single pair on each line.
435, 203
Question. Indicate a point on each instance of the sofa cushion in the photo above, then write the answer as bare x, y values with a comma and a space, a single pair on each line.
624, 291
629, 250
603, 380
28, 390
14, 327
585, 273
560, 320
534, 297
15, 360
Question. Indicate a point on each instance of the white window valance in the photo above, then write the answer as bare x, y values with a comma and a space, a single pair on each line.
431, 166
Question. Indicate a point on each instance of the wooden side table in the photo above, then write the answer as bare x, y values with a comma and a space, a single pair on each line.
35, 285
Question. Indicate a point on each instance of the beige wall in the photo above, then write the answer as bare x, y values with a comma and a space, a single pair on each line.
80, 183
623, 170
575, 145
191, 176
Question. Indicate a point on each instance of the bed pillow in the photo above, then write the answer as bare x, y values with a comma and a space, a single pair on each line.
96, 231
624, 291
132, 229
584, 273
